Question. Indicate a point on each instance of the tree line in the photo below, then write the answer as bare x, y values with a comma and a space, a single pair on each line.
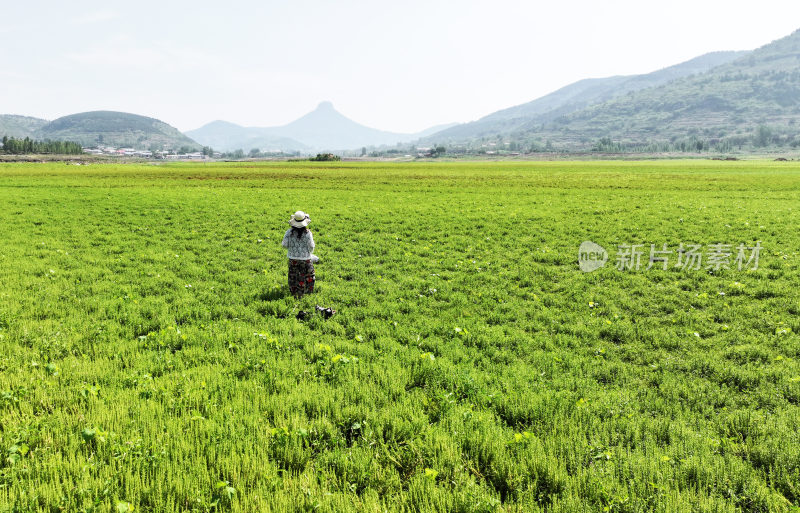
14, 146
762, 137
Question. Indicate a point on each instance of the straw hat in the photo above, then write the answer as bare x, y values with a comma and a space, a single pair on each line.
299, 219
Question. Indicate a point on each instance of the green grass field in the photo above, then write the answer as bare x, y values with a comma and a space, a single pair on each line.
150, 358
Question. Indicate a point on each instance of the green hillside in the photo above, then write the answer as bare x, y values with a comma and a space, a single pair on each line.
750, 103
753, 101
19, 126
115, 129
578, 96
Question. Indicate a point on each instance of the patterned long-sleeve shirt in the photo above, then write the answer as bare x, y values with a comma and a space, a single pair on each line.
300, 248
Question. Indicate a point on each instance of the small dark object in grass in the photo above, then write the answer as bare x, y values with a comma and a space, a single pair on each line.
326, 313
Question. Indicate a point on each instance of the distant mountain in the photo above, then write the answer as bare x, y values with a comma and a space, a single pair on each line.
580, 95
324, 128
118, 129
225, 136
19, 126
754, 99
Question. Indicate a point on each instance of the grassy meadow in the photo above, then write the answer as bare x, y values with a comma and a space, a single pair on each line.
151, 359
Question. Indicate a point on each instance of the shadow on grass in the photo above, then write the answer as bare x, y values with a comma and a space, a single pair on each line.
273, 294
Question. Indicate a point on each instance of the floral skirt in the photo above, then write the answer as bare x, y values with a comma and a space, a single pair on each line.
301, 277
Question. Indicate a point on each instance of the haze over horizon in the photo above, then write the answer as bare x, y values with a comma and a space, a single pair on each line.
396, 67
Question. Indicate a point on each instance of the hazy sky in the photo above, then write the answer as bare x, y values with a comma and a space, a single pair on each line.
399, 66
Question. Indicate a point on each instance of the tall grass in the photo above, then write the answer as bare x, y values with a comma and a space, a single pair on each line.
151, 359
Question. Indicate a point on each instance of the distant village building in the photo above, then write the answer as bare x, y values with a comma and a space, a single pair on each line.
147, 154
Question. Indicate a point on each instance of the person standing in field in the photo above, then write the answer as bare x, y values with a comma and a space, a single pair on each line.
300, 243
